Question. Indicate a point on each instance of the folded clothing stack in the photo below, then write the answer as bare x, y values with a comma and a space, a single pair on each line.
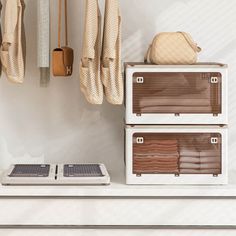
204, 161
183, 103
159, 156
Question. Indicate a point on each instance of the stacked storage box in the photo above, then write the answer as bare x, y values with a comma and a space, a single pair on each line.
176, 124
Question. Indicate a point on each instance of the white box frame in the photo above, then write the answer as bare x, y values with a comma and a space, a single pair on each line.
182, 119
193, 179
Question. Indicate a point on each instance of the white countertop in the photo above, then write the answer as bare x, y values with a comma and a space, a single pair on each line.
118, 188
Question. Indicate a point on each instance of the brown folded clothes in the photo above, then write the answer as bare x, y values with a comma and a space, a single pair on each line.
161, 158
200, 166
155, 164
184, 100
155, 153
140, 171
156, 167
205, 171
152, 169
159, 146
163, 141
200, 159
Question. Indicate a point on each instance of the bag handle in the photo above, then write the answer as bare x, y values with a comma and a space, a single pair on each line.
194, 46
59, 23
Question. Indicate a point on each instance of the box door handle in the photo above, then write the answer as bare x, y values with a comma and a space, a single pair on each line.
214, 80
140, 140
214, 140
140, 80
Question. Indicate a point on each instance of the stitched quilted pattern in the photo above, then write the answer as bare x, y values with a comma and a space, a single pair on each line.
90, 79
172, 48
93, 74
111, 58
12, 57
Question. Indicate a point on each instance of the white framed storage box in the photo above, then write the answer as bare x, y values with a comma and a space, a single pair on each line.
178, 94
176, 155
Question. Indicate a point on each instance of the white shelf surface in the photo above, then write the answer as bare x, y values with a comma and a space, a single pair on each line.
118, 188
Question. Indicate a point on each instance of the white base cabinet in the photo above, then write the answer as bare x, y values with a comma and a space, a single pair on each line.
117, 212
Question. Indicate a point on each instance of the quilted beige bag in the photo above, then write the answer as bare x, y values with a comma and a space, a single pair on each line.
173, 48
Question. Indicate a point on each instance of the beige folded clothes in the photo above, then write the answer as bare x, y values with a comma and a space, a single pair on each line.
176, 109
200, 166
209, 153
184, 100
205, 171
200, 160
189, 152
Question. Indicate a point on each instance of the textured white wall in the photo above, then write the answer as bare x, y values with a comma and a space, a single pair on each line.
56, 124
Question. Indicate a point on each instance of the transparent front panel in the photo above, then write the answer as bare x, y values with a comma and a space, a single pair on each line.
175, 153
177, 93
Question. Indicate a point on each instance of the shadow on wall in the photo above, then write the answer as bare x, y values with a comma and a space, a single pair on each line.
140, 24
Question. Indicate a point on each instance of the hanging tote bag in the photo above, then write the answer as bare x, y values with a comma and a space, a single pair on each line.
90, 79
173, 48
62, 57
111, 57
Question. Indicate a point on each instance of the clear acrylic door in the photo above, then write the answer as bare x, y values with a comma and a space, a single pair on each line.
196, 93
175, 153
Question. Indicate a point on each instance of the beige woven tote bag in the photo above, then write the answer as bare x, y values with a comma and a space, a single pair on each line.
13, 43
111, 55
90, 80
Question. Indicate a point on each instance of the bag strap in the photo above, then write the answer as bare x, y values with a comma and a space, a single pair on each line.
59, 23
193, 45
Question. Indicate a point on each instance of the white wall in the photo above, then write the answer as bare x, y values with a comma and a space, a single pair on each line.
57, 124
